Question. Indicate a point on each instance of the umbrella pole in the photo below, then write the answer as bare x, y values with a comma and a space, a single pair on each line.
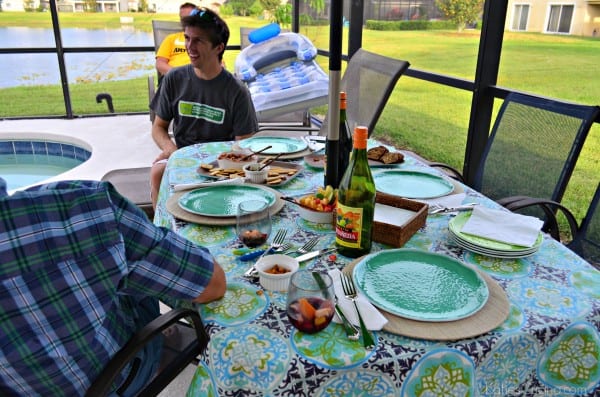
335, 65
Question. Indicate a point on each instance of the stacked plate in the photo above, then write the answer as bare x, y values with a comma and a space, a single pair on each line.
485, 246
420, 285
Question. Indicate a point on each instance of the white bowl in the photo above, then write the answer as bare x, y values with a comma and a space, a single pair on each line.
315, 216
255, 176
234, 163
276, 282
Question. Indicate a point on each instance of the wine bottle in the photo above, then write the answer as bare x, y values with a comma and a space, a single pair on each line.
341, 153
355, 206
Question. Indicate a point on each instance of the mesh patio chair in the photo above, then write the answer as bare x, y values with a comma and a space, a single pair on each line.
532, 151
134, 184
587, 239
160, 30
368, 81
176, 355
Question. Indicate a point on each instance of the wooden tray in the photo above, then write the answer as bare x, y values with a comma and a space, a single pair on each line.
277, 165
398, 235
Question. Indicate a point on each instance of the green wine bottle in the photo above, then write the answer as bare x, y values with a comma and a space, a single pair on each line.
337, 153
355, 206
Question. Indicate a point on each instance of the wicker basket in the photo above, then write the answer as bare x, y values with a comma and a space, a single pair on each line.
395, 235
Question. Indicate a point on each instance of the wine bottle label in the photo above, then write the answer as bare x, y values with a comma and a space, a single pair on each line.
348, 226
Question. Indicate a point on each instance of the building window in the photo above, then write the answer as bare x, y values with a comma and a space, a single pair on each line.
559, 20
520, 16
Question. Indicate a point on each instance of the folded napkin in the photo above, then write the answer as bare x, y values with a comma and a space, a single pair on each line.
313, 145
373, 319
194, 185
503, 226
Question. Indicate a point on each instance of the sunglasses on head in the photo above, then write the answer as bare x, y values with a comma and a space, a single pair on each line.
201, 12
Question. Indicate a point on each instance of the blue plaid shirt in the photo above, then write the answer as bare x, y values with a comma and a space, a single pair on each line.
74, 258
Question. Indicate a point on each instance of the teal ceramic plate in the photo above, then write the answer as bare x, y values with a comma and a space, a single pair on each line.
482, 251
280, 144
456, 224
420, 285
222, 201
412, 184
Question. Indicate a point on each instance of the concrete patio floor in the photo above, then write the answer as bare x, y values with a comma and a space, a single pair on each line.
115, 142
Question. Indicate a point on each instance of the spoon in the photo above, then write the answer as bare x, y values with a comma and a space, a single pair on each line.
257, 152
269, 161
294, 201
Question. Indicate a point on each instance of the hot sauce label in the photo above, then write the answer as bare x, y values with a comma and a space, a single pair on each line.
348, 226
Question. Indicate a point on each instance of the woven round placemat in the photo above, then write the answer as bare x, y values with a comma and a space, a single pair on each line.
179, 213
490, 316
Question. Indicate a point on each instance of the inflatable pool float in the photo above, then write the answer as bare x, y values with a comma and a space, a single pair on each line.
282, 74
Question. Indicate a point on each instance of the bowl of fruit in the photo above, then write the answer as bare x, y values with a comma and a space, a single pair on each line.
318, 207
275, 271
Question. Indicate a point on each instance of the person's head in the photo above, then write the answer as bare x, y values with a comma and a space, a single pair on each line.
211, 24
185, 9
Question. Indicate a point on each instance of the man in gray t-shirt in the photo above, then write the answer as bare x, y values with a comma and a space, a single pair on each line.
204, 101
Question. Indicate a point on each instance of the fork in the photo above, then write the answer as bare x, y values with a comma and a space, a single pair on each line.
307, 247
439, 209
276, 244
350, 293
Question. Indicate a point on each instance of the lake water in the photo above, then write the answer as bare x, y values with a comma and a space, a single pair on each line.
36, 69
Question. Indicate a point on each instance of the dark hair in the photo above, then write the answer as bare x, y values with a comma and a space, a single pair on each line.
211, 23
187, 5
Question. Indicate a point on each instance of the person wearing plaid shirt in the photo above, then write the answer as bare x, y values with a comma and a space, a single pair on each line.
81, 270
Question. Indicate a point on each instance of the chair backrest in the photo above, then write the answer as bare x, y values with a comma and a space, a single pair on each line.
587, 240
244, 33
533, 147
161, 29
368, 81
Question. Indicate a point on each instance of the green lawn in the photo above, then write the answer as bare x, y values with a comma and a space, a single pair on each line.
428, 118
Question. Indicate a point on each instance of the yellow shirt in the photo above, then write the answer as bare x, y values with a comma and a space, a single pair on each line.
173, 48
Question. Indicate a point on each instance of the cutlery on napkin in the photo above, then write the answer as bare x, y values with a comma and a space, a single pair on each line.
374, 320
503, 226
449, 201
193, 185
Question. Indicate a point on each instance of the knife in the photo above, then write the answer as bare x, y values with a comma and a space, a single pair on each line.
314, 254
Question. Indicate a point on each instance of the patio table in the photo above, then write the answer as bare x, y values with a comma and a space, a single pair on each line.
548, 345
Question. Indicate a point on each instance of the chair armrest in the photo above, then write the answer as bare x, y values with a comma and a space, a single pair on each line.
102, 384
550, 208
450, 171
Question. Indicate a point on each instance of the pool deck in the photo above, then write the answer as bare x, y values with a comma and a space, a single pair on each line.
115, 142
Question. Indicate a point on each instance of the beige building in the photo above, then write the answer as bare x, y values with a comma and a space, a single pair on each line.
574, 17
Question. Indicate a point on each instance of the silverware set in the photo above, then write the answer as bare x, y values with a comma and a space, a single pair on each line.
438, 209
350, 293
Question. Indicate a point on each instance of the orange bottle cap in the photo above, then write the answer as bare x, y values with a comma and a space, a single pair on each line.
361, 134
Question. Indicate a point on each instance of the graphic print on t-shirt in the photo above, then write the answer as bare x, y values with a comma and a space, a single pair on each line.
201, 111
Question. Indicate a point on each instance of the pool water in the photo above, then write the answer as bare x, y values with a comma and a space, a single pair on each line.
27, 169
24, 162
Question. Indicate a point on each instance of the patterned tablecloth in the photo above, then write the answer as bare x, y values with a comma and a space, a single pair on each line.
548, 346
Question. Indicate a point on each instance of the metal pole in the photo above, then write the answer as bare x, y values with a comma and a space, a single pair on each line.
296, 16
356, 26
486, 75
335, 66
61, 59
